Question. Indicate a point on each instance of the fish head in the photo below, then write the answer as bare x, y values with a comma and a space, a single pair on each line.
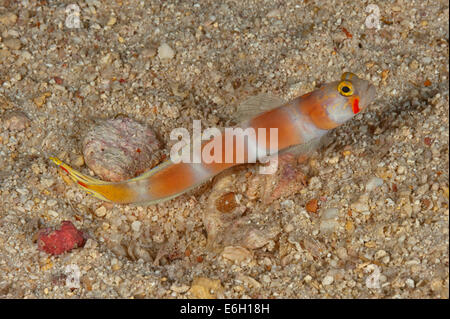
345, 98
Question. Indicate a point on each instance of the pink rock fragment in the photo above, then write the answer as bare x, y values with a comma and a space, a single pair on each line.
59, 241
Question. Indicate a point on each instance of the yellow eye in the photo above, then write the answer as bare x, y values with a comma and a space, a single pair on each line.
345, 88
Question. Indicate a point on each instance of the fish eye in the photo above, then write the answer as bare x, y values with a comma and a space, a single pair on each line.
345, 88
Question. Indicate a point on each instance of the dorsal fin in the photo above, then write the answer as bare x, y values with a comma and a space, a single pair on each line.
256, 105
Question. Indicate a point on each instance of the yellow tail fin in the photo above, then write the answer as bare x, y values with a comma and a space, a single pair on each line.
82, 180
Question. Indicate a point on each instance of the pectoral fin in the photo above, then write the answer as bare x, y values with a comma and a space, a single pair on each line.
309, 147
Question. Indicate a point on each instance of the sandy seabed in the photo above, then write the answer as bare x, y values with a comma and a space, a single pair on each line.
383, 180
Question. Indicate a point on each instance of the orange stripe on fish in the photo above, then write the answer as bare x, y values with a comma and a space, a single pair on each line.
281, 119
172, 180
317, 114
298, 122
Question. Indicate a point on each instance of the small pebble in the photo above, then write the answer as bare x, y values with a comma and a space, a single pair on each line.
414, 65
426, 60
15, 121
342, 253
90, 244
165, 52
51, 203
148, 53
136, 226
41, 99
52, 213
112, 20
236, 253
179, 289
273, 13
423, 189
380, 254
12, 43
373, 183
328, 280
359, 207
101, 211
8, 18
249, 280
79, 161
328, 226
22, 191
401, 170
410, 283
436, 284
330, 213
288, 228
206, 288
